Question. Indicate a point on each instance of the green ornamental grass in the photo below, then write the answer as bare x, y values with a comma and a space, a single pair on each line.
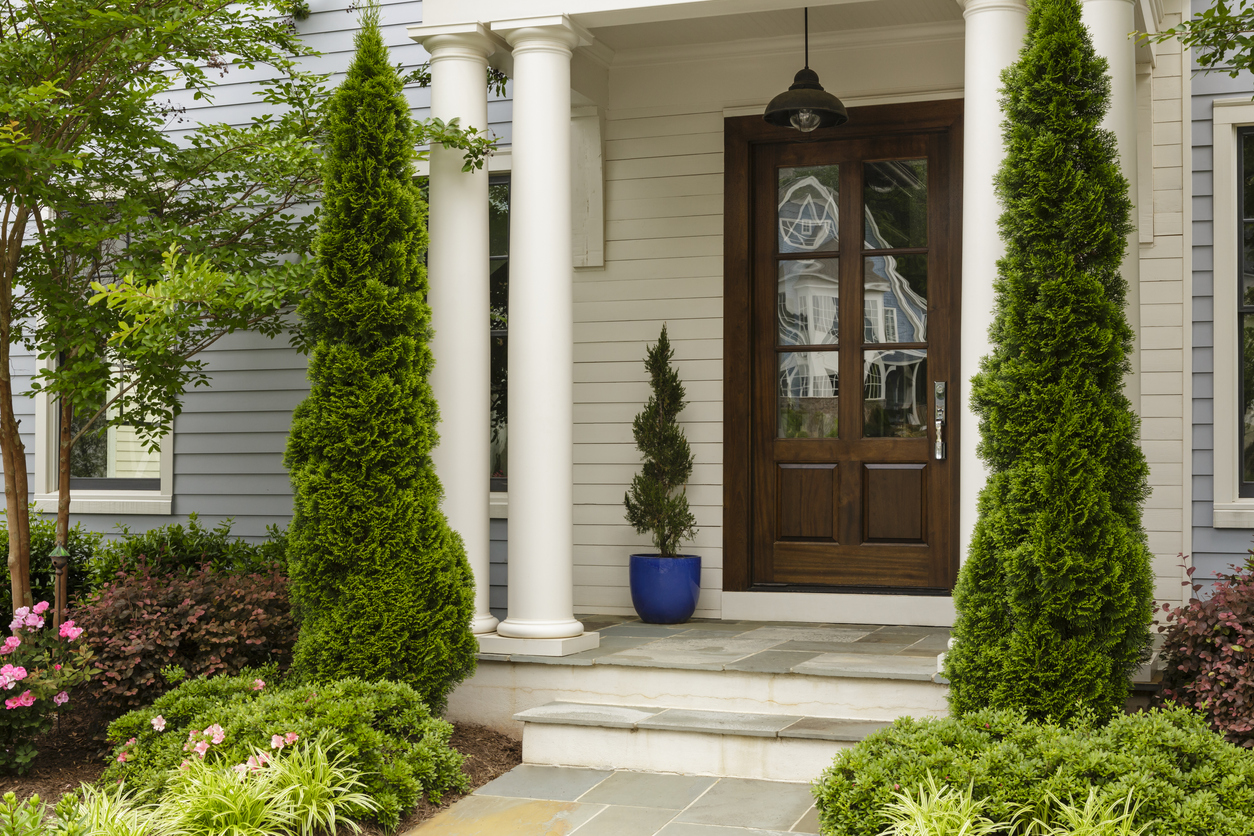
379, 581
1054, 598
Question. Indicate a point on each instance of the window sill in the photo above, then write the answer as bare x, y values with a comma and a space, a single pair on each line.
1238, 514
108, 502
498, 505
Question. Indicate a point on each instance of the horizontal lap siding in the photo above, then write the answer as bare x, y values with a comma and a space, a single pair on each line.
1214, 549
663, 244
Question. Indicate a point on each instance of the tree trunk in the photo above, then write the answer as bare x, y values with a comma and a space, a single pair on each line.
12, 451
64, 448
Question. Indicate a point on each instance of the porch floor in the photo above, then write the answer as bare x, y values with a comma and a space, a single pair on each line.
843, 650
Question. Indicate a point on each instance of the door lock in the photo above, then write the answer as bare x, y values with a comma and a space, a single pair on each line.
939, 414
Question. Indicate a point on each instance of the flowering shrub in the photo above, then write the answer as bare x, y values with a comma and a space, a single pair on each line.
82, 545
1187, 779
205, 623
380, 729
40, 667
1208, 657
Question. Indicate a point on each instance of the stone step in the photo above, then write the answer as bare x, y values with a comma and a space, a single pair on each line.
780, 747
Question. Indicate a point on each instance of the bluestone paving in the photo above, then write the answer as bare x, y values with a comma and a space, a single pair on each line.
858, 648
832, 728
868, 666
809, 822
553, 783
484, 815
681, 828
743, 802
638, 629
649, 789
626, 821
771, 661
807, 634
587, 714
720, 722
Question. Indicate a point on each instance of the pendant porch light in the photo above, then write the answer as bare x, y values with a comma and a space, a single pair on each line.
806, 105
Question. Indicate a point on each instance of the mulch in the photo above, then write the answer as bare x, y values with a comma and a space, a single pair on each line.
73, 753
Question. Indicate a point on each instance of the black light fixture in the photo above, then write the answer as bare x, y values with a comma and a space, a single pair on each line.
806, 105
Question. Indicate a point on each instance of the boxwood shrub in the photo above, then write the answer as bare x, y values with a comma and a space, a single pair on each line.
1187, 779
385, 730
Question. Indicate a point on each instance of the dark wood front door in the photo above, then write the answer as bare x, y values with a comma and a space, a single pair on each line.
850, 355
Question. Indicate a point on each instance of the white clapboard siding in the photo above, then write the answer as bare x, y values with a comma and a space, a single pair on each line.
664, 245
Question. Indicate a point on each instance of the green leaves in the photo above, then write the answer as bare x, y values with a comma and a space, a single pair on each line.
657, 503
1222, 36
1054, 598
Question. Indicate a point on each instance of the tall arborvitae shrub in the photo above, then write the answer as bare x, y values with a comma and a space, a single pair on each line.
1054, 599
380, 582
657, 503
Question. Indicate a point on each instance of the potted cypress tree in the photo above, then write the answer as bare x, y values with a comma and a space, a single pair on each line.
664, 586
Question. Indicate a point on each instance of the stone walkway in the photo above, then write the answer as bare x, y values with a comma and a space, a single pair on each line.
556, 801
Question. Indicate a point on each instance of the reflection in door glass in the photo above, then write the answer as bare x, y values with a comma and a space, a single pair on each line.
808, 201
894, 394
894, 299
809, 394
808, 304
895, 193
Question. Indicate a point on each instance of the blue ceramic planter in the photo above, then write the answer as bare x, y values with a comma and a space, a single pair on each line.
664, 590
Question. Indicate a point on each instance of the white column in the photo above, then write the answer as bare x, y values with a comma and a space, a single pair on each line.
457, 269
994, 36
541, 338
1111, 22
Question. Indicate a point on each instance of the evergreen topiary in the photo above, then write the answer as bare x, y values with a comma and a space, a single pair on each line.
1054, 599
657, 503
379, 581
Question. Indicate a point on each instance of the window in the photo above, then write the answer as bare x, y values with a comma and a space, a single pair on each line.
111, 470
870, 320
1234, 314
498, 236
890, 325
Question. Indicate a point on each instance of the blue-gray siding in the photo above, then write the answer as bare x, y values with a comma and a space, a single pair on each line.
1214, 549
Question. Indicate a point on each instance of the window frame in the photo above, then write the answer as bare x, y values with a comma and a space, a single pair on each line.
1230, 118
120, 499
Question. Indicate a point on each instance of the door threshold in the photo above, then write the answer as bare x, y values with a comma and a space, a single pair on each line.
837, 607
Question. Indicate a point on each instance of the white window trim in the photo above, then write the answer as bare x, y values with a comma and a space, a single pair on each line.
157, 502
1231, 509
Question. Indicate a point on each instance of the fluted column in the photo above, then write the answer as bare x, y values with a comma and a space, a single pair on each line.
457, 269
541, 335
1111, 23
994, 36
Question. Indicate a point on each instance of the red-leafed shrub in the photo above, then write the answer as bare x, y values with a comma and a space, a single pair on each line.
1209, 657
206, 623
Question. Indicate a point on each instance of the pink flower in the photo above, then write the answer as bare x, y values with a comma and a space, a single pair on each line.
291, 737
56, 667
21, 612
40, 608
34, 622
13, 673
130, 742
258, 684
122, 758
61, 698
215, 731
185, 765
69, 631
202, 747
11, 644
276, 741
158, 723
240, 768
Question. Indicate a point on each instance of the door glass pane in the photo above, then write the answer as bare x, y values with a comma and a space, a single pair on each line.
808, 201
894, 299
1247, 398
895, 193
809, 302
1247, 269
894, 394
809, 394
498, 218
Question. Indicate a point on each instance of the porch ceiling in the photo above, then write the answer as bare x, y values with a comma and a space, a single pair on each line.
785, 23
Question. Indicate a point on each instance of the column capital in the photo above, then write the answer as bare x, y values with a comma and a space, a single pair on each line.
974, 7
552, 31
474, 38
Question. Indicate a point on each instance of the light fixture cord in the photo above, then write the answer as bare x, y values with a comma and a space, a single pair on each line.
807, 29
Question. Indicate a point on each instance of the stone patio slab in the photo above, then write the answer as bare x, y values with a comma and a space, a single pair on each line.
741, 802
719, 722
638, 629
832, 728
871, 648
482, 815
586, 714
679, 828
626, 821
649, 789
682, 660
809, 822
708, 642
552, 783
807, 634
869, 666
771, 661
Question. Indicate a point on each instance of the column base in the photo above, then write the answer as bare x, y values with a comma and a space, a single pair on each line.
483, 624
506, 646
